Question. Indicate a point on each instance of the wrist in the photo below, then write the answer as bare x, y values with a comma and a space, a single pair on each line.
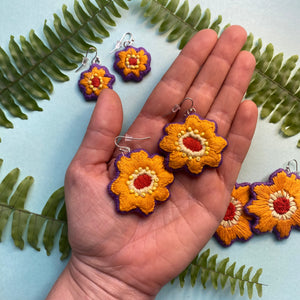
84, 282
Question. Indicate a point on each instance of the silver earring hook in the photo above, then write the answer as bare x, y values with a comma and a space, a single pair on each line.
177, 107
85, 59
292, 164
124, 43
126, 149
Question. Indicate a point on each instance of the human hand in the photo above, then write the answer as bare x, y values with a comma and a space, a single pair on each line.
118, 256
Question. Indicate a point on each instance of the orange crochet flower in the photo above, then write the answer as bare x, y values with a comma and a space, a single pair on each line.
94, 80
141, 180
235, 224
276, 204
132, 63
192, 145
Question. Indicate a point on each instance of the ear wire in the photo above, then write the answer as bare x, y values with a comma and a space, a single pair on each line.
177, 107
126, 149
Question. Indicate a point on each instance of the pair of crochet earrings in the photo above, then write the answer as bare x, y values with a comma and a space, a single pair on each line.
260, 207
142, 179
130, 62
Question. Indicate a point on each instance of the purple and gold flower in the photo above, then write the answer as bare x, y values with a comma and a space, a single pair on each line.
235, 224
275, 204
94, 80
132, 63
192, 145
141, 181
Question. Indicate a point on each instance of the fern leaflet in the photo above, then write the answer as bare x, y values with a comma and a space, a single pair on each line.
205, 267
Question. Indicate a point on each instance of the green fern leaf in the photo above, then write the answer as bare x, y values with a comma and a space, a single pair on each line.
53, 225
64, 246
221, 269
10, 202
206, 267
274, 87
255, 279
212, 262
27, 71
195, 269
20, 216
34, 228
177, 20
239, 275
13, 197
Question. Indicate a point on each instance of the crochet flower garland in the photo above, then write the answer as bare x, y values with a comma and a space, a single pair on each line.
94, 80
141, 181
192, 145
132, 63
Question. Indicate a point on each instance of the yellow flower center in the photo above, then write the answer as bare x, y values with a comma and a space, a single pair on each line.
132, 61
143, 181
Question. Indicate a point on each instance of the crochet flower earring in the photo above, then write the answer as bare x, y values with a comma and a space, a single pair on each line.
131, 63
236, 224
193, 144
95, 79
141, 180
275, 204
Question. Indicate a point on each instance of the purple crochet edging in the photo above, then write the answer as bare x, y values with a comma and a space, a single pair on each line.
216, 236
254, 197
82, 88
116, 197
185, 167
131, 76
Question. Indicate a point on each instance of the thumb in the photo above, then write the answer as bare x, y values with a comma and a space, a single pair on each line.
105, 124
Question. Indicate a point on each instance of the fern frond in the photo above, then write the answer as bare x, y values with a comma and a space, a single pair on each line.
26, 74
275, 86
177, 21
13, 197
272, 84
206, 268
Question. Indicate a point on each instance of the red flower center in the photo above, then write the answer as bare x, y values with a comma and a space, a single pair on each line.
132, 61
230, 213
281, 205
192, 144
142, 181
96, 81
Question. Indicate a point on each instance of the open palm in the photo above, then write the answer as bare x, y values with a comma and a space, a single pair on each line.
128, 256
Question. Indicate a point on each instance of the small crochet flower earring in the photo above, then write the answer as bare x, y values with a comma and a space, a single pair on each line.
141, 180
131, 63
95, 79
193, 144
275, 204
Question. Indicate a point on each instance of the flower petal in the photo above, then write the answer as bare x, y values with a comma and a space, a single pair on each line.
146, 205
195, 166
127, 202
283, 227
217, 143
176, 161
168, 143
